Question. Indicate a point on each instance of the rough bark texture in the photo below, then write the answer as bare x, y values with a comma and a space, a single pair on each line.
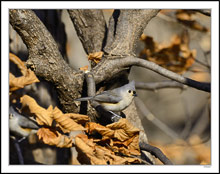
125, 29
90, 27
45, 58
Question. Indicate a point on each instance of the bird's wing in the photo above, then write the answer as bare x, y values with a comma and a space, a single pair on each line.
27, 123
22, 120
107, 96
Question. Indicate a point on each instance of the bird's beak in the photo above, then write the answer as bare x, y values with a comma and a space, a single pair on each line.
135, 94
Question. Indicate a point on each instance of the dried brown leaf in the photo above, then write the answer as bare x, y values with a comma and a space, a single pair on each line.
43, 116
54, 138
65, 122
91, 153
175, 56
86, 150
123, 136
78, 118
96, 57
123, 129
104, 131
19, 82
187, 17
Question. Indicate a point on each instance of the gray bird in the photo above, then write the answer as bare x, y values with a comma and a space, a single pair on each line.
19, 124
116, 99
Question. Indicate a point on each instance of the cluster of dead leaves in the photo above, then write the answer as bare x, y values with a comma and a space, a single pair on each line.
56, 127
119, 137
175, 56
181, 152
114, 145
55, 123
187, 17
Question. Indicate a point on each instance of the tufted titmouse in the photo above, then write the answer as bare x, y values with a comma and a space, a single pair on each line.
19, 124
116, 99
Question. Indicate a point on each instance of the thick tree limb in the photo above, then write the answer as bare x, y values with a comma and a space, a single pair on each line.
45, 58
125, 29
47, 62
90, 27
109, 67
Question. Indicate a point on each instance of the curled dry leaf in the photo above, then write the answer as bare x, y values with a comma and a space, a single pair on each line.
43, 116
19, 82
123, 136
65, 122
78, 118
91, 153
96, 57
123, 129
54, 138
176, 56
187, 17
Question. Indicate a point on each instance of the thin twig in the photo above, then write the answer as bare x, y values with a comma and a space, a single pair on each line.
143, 109
156, 152
203, 11
203, 64
18, 149
188, 121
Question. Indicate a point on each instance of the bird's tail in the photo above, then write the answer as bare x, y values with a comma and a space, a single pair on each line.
83, 99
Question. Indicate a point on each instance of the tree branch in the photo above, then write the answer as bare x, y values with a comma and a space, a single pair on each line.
44, 57
90, 27
156, 152
203, 11
159, 85
125, 29
143, 109
18, 149
107, 68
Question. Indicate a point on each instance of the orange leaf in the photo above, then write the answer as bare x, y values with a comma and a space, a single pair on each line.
19, 82
64, 121
104, 131
175, 56
123, 129
54, 138
123, 136
91, 153
44, 117
96, 57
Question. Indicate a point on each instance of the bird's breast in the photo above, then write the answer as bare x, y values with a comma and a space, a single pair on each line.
116, 107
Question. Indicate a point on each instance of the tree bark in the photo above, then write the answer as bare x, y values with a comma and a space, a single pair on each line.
125, 29
90, 27
45, 59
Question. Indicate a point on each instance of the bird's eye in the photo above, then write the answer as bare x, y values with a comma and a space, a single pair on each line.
129, 91
134, 92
